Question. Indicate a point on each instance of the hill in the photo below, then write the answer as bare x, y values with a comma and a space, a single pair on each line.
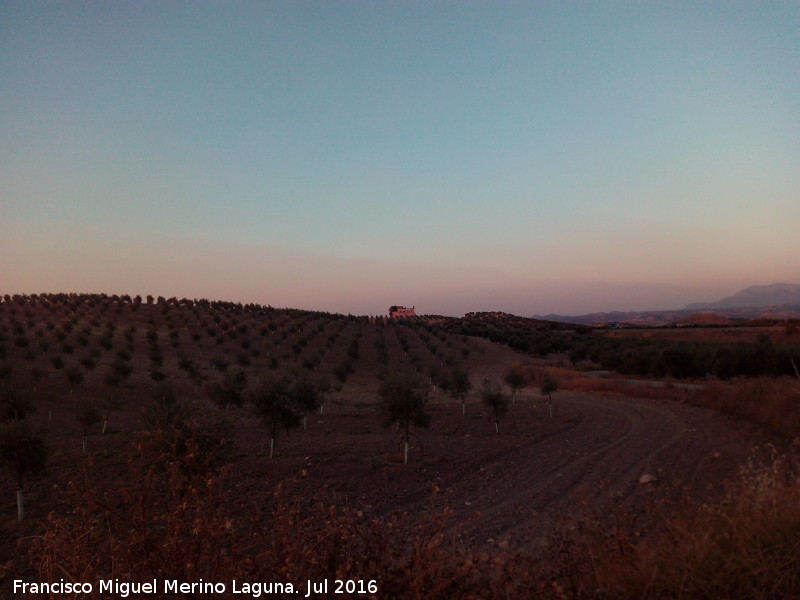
182, 478
776, 294
775, 301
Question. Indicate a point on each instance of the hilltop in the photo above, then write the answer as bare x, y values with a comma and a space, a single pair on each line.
774, 301
757, 296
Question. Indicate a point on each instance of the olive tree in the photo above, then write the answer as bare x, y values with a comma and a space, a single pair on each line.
458, 386
497, 401
15, 403
324, 388
22, 453
306, 395
87, 415
74, 376
404, 399
110, 402
229, 390
516, 377
548, 385
275, 404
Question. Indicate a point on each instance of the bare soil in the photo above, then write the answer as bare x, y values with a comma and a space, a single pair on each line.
510, 491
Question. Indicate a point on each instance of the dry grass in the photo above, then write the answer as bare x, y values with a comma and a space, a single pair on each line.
773, 403
745, 547
170, 522
177, 523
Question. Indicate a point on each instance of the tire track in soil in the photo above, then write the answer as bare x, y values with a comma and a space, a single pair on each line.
511, 489
604, 466
420, 497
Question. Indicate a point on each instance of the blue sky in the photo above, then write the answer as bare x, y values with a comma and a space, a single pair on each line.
532, 157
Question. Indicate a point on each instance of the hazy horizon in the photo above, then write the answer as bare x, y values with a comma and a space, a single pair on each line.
532, 158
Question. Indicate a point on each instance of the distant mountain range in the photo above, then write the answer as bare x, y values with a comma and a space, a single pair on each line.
776, 294
774, 301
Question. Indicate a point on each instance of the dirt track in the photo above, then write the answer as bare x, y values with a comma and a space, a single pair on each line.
507, 489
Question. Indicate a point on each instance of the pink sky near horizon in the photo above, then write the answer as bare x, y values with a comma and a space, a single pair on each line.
107, 263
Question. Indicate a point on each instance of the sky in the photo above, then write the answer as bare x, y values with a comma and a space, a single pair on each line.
344, 156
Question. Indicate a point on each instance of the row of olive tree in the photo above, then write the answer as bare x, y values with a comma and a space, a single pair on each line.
492, 394
404, 398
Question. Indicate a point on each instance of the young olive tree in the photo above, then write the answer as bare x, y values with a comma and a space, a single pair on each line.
229, 390
497, 401
15, 403
307, 397
549, 385
324, 388
275, 404
404, 399
87, 415
458, 386
22, 453
110, 402
516, 377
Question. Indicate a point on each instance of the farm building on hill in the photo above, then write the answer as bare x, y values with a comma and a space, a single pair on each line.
401, 312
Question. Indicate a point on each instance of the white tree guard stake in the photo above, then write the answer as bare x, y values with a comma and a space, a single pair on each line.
405, 452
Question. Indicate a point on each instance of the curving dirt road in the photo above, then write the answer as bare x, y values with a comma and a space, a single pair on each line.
509, 489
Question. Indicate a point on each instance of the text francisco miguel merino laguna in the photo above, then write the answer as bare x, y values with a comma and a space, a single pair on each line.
123, 589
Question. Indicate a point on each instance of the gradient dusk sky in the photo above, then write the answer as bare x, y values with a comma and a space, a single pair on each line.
530, 157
